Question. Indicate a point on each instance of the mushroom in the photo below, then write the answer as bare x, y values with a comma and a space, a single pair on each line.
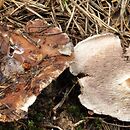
30, 61
105, 88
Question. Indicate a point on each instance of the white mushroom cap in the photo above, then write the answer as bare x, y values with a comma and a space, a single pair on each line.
106, 89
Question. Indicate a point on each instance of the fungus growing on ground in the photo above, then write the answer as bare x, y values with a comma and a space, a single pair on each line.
30, 60
105, 88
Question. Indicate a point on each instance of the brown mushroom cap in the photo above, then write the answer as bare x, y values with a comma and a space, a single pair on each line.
106, 87
30, 61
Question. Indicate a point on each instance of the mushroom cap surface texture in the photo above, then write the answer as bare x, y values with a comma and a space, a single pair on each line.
105, 88
30, 60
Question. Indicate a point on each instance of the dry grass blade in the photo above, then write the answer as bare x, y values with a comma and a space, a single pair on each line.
71, 17
61, 5
122, 11
15, 10
34, 12
53, 127
85, 12
112, 124
3, 87
88, 14
79, 28
100, 9
109, 14
63, 99
103, 23
82, 32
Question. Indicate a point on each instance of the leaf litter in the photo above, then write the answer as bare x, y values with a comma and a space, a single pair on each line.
79, 19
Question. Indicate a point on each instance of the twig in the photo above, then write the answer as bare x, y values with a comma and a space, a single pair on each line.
128, 126
71, 17
88, 14
63, 99
27, 37
34, 12
15, 10
61, 5
79, 122
103, 121
109, 14
122, 11
52, 126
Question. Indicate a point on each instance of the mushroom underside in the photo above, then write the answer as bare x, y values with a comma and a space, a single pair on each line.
106, 87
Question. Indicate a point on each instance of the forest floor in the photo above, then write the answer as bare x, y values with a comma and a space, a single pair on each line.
79, 19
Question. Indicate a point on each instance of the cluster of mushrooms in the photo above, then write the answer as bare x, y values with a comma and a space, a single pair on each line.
35, 55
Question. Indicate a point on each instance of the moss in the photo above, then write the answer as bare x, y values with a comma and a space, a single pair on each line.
65, 2
30, 124
98, 124
80, 128
39, 116
74, 111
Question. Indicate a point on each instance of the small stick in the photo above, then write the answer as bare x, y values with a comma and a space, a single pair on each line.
128, 126
25, 35
53, 126
79, 122
63, 99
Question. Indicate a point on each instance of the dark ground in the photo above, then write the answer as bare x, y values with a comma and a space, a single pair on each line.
71, 115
